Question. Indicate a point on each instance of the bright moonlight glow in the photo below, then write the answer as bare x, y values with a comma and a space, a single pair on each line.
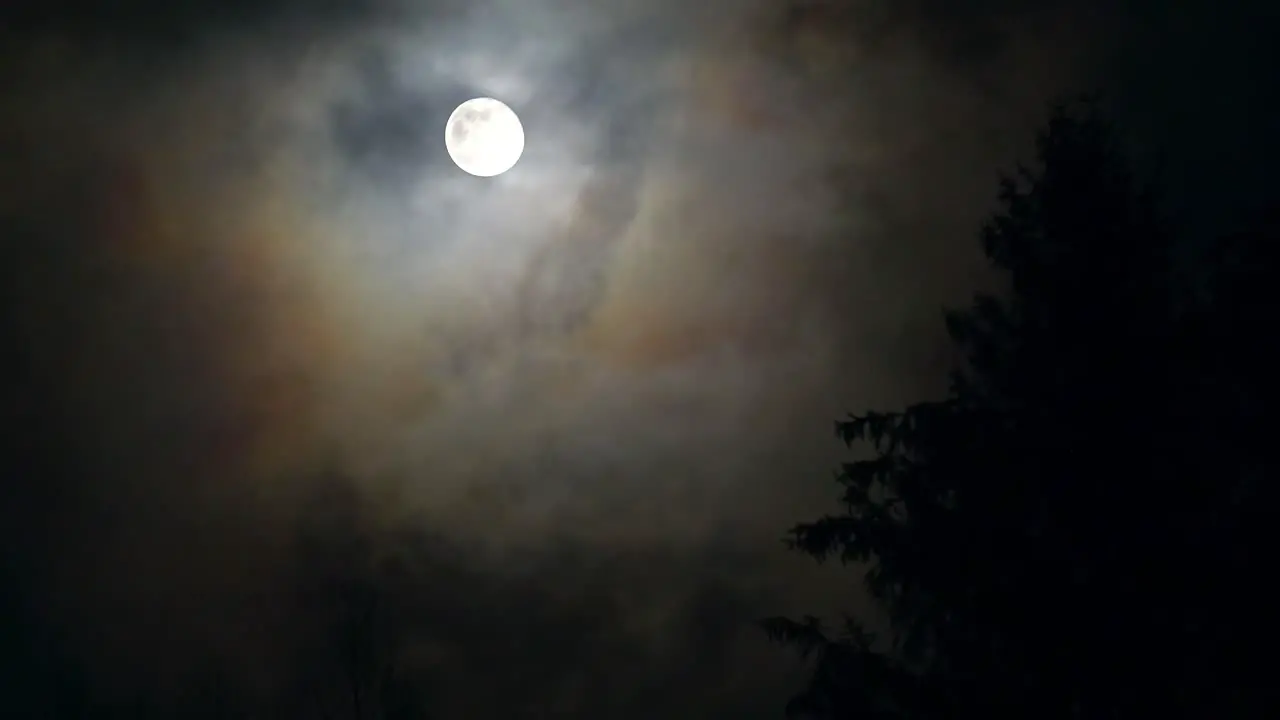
484, 137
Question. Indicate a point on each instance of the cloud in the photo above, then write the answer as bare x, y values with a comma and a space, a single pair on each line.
601, 384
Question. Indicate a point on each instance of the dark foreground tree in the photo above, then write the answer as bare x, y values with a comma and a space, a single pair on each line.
1073, 531
359, 611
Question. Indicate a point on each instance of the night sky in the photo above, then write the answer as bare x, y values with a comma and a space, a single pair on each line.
241, 273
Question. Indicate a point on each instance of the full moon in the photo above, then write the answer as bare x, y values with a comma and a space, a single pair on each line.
484, 137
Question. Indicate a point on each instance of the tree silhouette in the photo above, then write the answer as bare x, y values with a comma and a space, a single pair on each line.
1065, 533
353, 667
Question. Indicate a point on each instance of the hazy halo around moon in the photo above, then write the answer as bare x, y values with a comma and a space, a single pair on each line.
484, 137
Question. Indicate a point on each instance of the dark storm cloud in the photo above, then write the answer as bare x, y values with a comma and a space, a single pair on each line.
566, 278
165, 26
380, 131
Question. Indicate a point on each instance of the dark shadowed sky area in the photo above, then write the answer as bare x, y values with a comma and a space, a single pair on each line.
575, 405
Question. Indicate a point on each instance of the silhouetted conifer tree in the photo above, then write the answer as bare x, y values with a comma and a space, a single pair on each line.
1065, 533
